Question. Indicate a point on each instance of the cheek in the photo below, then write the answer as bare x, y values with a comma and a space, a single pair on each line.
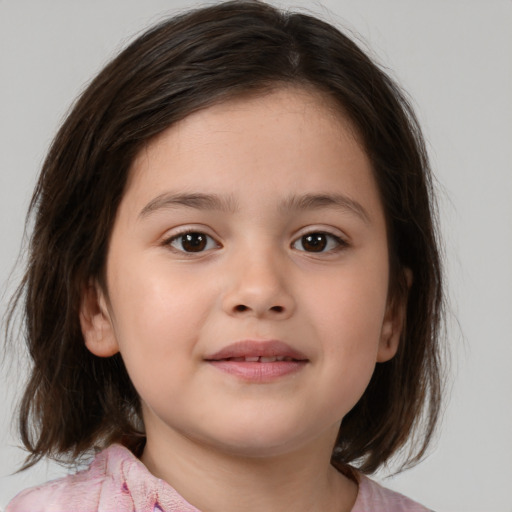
156, 318
352, 303
151, 295
348, 313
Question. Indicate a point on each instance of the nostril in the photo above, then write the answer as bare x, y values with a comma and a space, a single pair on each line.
241, 308
277, 309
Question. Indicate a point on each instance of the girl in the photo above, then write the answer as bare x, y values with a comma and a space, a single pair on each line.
234, 294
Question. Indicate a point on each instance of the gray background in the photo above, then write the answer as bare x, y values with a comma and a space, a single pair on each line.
454, 57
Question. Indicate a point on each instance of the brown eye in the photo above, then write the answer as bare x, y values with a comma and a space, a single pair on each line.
193, 242
317, 242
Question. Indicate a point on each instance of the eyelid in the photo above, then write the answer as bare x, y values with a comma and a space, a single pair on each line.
319, 228
340, 238
184, 230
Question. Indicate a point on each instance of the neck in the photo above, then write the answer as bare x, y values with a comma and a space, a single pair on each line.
215, 481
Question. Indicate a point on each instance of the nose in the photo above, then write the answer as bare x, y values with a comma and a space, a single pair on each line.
257, 286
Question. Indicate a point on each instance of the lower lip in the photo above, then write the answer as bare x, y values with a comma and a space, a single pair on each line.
259, 372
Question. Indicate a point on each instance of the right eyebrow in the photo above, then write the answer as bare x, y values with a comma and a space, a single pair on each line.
198, 201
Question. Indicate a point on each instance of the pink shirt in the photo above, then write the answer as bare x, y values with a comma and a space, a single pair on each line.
117, 481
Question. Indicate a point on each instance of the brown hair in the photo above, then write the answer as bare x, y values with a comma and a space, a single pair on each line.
74, 400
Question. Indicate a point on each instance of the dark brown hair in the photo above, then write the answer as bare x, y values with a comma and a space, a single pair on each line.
75, 401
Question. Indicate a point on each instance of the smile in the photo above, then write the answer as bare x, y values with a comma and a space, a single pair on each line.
258, 361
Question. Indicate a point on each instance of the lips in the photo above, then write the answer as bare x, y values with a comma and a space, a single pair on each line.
258, 361
265, 351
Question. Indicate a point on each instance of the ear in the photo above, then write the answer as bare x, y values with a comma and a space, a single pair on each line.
394, 321
96, 322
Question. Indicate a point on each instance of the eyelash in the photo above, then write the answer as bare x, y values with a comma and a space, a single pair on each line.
315, 237
325, 239
181, 236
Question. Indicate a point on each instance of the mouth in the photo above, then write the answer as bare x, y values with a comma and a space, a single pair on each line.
258, 361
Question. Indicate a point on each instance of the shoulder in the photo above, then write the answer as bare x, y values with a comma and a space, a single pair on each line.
81, 492
373, 497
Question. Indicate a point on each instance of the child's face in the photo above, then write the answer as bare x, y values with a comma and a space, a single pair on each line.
286, 243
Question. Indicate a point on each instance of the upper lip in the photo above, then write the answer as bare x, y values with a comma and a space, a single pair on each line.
253, 348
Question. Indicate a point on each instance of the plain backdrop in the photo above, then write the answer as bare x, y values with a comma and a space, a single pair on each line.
454, 57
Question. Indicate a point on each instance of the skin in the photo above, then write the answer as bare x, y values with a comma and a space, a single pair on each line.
166, 310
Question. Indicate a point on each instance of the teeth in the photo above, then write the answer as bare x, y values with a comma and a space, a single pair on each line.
260, 359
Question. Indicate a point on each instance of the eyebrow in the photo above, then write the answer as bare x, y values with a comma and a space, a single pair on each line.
320, 201
200, 201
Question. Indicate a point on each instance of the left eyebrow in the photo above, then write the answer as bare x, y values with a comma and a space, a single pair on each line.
198, 201
319, 201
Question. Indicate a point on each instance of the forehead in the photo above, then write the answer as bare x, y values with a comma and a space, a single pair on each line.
265, 107
287, 139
